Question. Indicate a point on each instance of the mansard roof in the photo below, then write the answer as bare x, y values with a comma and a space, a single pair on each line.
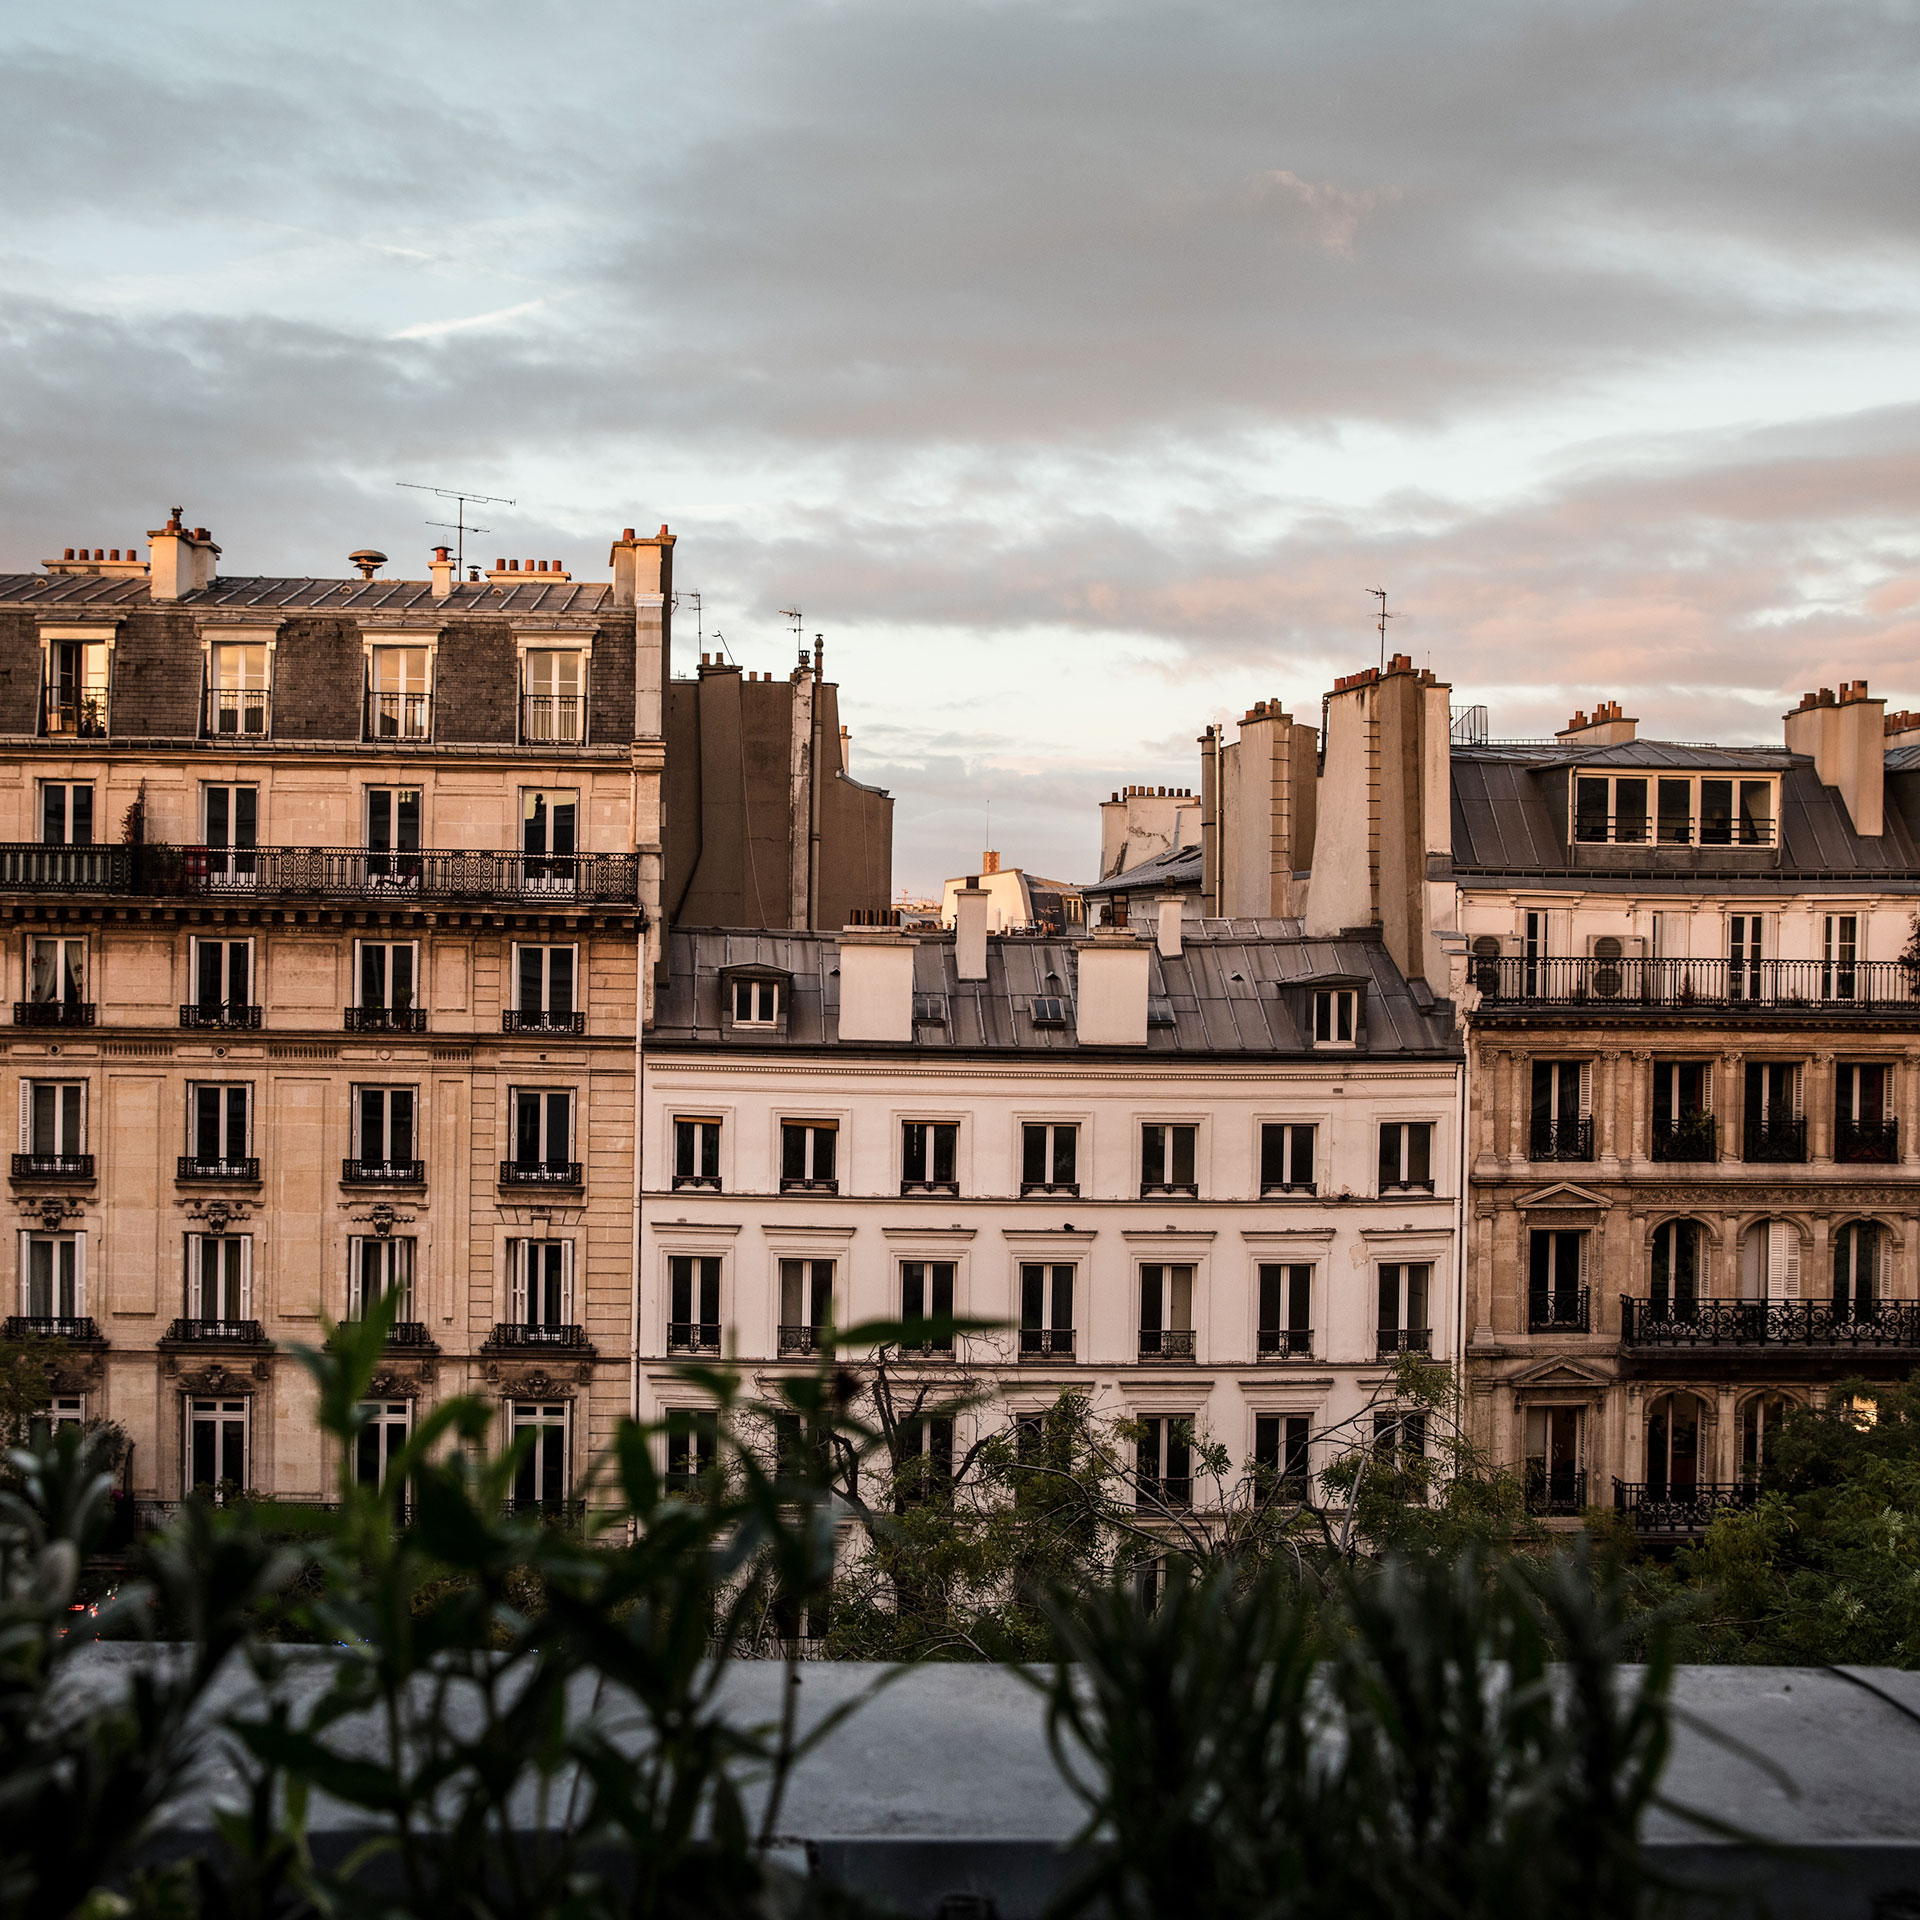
79, 593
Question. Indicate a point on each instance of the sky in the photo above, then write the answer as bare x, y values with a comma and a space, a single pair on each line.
1075, 369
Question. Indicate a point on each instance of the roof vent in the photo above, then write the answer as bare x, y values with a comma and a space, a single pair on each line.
369, 560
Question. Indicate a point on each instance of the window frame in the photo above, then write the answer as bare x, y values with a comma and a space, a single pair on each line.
700, 1268
1041, 1334
74, 1237
692, 1179
226, 1088
67, 789
929, 1180
541, 1417
522, 1282
62, 1085
1290, 1130
1052, 1186
812, 1127
223, 1411
1656, 814
1175, 1136
388, 1244
1337, 1011
194, 1291
1407, 1159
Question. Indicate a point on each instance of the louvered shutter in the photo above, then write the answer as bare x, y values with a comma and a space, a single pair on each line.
518, 1257
80, 1274
26, 1270
26, 1116
566, 1283
246, 1277
1584, 1073
1783, 1261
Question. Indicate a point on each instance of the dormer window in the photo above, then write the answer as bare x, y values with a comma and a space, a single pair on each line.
1675, 809
399, 694
76, 690
237, 690
553, 707
1334, 1016
756, 1003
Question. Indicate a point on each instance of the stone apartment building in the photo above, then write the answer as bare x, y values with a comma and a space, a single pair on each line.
324, 904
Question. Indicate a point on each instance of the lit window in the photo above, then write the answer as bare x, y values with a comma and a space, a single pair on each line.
237, 690
553, 708
399, 696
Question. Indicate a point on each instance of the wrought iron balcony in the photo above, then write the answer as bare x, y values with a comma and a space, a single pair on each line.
1557, 1310
1392, 1340
238, 713
83, 718
1046, 1343
219, 1013
1692, 1323
792, 1183
532, 1020
53, 1166
799, 1339
192, 1167
383, 1019
409, 1333
1286, 1343
189, 1331
1867, 1142
77, 1327
1049, 1189
1556, 1491
1775, 1142
31, 868
1166, 1343
1567, 1138
539, 1173
696, 1183
1813, 986
950, 1188
1691, 1136
520, 1333
552, 719
54, 1013
384, 1173
399, 716
693, 1336
1668, 1508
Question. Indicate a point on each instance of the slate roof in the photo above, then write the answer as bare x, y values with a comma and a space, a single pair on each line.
1173, 870
259, 593
1221, 991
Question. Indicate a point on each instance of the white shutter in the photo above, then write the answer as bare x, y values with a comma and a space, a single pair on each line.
1783, 1261
566, 1283
1585, 1077
26, 1262
517, 1270
1796, 1079
26, 1116
356, 1278
1706, 1089
80, 1274
246, 1277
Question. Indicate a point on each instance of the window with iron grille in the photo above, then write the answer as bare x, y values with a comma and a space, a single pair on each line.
1405, 1291
808, 1155
1167, 1158
1406, 1156
1286, 1311
696, 1152
929, 1156
693, 1303
1049, 1152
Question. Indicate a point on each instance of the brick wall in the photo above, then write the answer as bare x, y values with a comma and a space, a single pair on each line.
319, 681
19, 673
158, 675
610, 688
476, 691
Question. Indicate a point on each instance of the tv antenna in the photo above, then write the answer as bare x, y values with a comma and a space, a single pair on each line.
459, 525
799, 638
1380, 594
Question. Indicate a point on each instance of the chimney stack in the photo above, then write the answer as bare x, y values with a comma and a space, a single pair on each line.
876, 984
970, 931
441, 567
1110, 1007
641, 567
1902, 730
183, 560
1846, 738
989, 862
1606, 726
1167, 931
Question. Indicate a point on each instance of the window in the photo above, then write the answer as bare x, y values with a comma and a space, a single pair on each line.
693, 1303
222, 985
1166, 1312
231, 816
543, 980
237, 689
53, 1127
1048, 1010
542, 1138
53, 1276
217, 1448
1160, 1010
387, 984
1683, 1123
548, 822
76, 698
693, 1447
696, 1153
1281, 1446
1556, 1274
1286, 1312
1613, 808
1556, 1481
218, 1133
380, 1266
929, 1156
1770, 1261
63, 1410
1333, 1016
926, 1293
1863, 1129
1404, 1290
381, 1437
1286, 1158
806, 1303
393, 831
399, 702
1406, 1156
56, 984
66, 813
1046, 1311
1400, 1441
1676, 1270
540, 1479
807, 1149
1047, 1158
1533, 948
1856, 1262
924, 1470
553, 709
756, 1003
929, 1009
1840, 956
542, 1281
1746, 942
1167, 1160
1673, 1445
1562, 1118
220, 1277
1775, 1128
1164, 1462
1690, 810
1760, 1422
385, 1137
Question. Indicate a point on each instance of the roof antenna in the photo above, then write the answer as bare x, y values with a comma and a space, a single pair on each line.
799, 638
459, 524
699, 620
819, 656
1380, 594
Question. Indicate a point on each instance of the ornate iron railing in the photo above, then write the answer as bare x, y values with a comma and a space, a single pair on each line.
1774, 1142
383, 1173
1568, 1138
552, 719
219, 1013
1166, 1343
1392, 1340
31, 868
191, 1167
383, 1019
53, 1166
52, 1326
526, 1020
518, 1333
54, 1013
1046, 1343
799, 1338
693, 1336
1556, 1490
1816, 985
1557, 1310
1867, 1142
1286, 1343
1662, 1507
539, 1173
1692, 1136
1683, 1322
217, 1333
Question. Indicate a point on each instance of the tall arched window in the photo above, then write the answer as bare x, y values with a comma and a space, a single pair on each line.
1759, 1421
1856, 1270
1770, 1261
1675, 1290
1673, 1445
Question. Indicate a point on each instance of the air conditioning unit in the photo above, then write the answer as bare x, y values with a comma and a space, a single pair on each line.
1607, 978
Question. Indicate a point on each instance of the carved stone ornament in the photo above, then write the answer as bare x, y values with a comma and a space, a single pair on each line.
216, 1216
52, 1210
221, 1379
78, 1373
397, 1383
536, 1383
382, 1217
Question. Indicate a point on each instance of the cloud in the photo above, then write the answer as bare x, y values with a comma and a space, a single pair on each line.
1334, 213
439, 329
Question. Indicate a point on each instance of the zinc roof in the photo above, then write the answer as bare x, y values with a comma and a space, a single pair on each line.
260, 593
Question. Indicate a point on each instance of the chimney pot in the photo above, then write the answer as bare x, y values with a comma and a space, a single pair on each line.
500, 566
663, 530
69, 553
626, 533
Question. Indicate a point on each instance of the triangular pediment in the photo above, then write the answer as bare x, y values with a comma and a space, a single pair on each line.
1561, 1372
1563, 1193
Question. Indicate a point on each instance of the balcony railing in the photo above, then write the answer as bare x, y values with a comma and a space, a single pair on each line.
693, 1336
1662, 1507
696, 1183
219, 1013
521, 1333
192, 1167
539, 1173
1776, 1142
53, 1166
1568, 1138
1164, 1490
409, 1333
383, 1173
1867, 1142
52, 1326
793, 1183
237, 712
799, 1338
1692, 1323
1166, 1343
1392, 1340
383, 1019
1049, 1189
327, 873
54, 1013
532, 1020
1556, 1491
399, 716
950, 1188
1286, 1343
84, 718
1690, 1136
189, 1331
1169, 1190
1561, 1310
1046, 1343
1675, 985
1270, 1189
552, 719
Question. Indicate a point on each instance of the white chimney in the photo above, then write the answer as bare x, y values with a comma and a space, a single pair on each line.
183, 559
970, 932
640, 566
1110, 1008
1847, 739
441, 567
1167, 938
876, 984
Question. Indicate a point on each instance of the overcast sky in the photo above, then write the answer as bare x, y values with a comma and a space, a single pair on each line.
1076, 369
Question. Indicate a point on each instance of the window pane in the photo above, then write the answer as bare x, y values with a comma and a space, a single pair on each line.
1676, 812
1590, 810
1756, 813
1716, 813
1630, 810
